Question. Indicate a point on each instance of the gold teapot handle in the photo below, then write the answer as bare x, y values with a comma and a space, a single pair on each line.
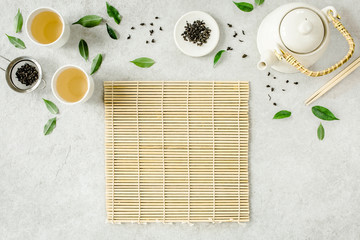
338, 25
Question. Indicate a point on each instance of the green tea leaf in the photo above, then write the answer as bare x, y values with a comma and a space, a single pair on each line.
89, 21
323, 113
51, 106
218, 56
321, 132
18, 43
83, 49
18, 21
143, 62
96, 63
259, 2
111, 32
49, 126
113, 12
282, 114
244, 6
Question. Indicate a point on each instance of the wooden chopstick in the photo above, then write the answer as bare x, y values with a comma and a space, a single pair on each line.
333, 82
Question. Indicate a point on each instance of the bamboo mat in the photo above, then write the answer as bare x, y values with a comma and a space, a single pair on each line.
176, 151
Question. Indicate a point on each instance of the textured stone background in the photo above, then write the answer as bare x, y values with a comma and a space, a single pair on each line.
53, 187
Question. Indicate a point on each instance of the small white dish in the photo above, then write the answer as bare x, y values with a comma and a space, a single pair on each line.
190, 48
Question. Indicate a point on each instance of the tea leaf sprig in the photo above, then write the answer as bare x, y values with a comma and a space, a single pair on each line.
89, 21
96, 63
143, 62
84, 49
113, 13
247, 7
51, 106
17, 42
18, 21
323, 113
321, 132
218, 56
282, 114
111, 32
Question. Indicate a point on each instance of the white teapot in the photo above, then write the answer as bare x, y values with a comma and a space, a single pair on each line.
295, 35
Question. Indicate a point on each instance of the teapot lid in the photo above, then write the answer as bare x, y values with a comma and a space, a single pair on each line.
302, 30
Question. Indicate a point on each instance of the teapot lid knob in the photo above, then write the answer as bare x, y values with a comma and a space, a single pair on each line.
305, 27
302, 30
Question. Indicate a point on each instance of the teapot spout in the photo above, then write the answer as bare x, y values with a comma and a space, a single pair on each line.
267, 60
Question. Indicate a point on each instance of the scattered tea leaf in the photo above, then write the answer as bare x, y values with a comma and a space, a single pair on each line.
18, 43
96, 63
18, 21
244, 6
282, 114
218, 56
321, 132
89, 21
143, 62
111, 32
49, 126
259, 2
51, 106
83, 49
323, 113
113, 12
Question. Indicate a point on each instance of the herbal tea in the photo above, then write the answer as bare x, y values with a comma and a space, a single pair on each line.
72, 84
46, 27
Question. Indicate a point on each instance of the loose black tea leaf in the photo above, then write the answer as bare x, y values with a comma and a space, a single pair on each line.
143, 62
323, 113
129, 36
113, 13
235, 34
268, 74
153, 40
132, 28
96, 63
321, 132
272, 89
49, 126
111, 32
243, 32
283, 90
229, 49
18, 21
218, 56
274, 104
151, 32
151, 24
147, 42
296, 83
17, 42
259, 2
156, 17
230, 26
267, 86
196, 32
160, 29
282, 114
244, 6
269, 97
51, 106
241, 40
274, 77
89, 21
142, 24
287, 81
27, 74
244, 56
83, 49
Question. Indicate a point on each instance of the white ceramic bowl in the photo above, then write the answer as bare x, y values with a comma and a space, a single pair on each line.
190, 48
65, 34
88, 93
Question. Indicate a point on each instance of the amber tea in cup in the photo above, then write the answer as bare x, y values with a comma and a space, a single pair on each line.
71, 84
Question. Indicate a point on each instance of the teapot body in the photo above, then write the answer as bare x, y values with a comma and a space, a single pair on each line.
270, 42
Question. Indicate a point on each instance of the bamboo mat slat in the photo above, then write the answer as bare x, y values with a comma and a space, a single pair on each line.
176, 151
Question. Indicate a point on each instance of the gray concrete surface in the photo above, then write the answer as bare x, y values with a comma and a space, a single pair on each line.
53, 187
